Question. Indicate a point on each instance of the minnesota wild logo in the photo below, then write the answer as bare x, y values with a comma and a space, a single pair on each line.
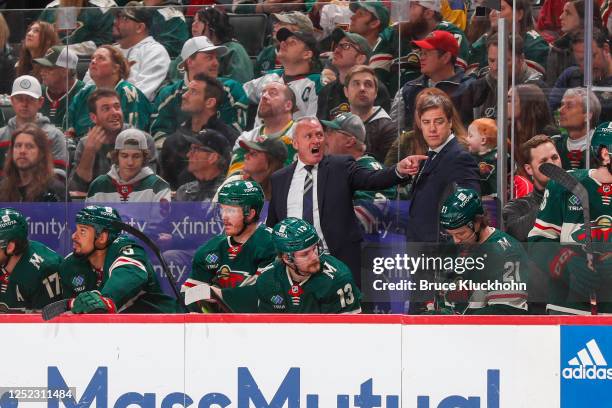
601, 230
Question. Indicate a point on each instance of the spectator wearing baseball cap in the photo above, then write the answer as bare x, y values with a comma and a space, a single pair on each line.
27, 100
235, 64
369, 19
58, 72
424, 18
149, 61
438, 52
346, 135
129, 179
261, 159
199, 56
94, 20
298, 53
208, 159
294, 21
350, 50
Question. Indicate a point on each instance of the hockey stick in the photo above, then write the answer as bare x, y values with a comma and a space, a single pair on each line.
203, 292
52, 310
149, 242
575, 187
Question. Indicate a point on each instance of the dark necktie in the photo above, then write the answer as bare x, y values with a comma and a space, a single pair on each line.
430, 156
307, 199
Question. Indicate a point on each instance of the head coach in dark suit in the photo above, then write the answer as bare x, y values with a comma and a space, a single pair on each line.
446, 163
319, 189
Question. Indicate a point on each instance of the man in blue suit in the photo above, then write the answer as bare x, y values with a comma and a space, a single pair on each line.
319, 189
446, 163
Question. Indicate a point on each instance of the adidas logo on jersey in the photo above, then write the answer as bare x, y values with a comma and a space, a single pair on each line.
589, 364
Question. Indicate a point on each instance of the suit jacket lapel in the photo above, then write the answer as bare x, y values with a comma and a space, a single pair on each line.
440, 156
286, 186
322, 173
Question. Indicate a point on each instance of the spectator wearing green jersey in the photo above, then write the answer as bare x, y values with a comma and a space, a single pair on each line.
198, 56
109, 69
92, 28
535, 47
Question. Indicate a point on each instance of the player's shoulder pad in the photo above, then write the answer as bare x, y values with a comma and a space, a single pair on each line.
579, 174
210, 245
333, 268
125, 246
170, 12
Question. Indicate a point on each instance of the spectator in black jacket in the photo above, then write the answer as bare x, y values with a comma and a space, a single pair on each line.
520, 214
361, 86
200, 102
481, 94
349, 50
7, 59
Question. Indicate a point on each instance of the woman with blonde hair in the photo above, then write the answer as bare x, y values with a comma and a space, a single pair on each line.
109, 69
40, 36
412, 142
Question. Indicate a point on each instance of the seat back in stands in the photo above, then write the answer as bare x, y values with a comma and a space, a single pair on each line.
250, 31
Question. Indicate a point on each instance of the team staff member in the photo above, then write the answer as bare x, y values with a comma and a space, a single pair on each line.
319, 189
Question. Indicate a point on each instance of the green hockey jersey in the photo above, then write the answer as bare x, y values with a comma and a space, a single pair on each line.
222, 263
487, 167
34, 281
560, 220
258, 134
267, 61
535, 49
233, 110
127, 278
94, 25
331, 290
55, 109
571, 159
135, 106
169, 28
505, 262
236, 64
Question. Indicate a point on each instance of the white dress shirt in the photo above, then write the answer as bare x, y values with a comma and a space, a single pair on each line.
295, 198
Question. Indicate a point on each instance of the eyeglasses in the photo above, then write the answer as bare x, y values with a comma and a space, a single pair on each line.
346, 46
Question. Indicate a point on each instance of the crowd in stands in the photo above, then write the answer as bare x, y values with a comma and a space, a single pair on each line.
172, 106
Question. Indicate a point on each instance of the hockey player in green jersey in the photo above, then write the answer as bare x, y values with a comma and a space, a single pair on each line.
109, 273
302, 279
503, 257
559, 221
235, 257
29, 271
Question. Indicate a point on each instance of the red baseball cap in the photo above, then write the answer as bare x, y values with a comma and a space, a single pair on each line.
439, 40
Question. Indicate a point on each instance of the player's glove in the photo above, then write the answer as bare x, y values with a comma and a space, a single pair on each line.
558, 265
584, 278
92, 301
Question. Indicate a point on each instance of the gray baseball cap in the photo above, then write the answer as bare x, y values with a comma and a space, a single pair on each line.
59, 56
271, 145
348, 123
301, 20
131, 139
